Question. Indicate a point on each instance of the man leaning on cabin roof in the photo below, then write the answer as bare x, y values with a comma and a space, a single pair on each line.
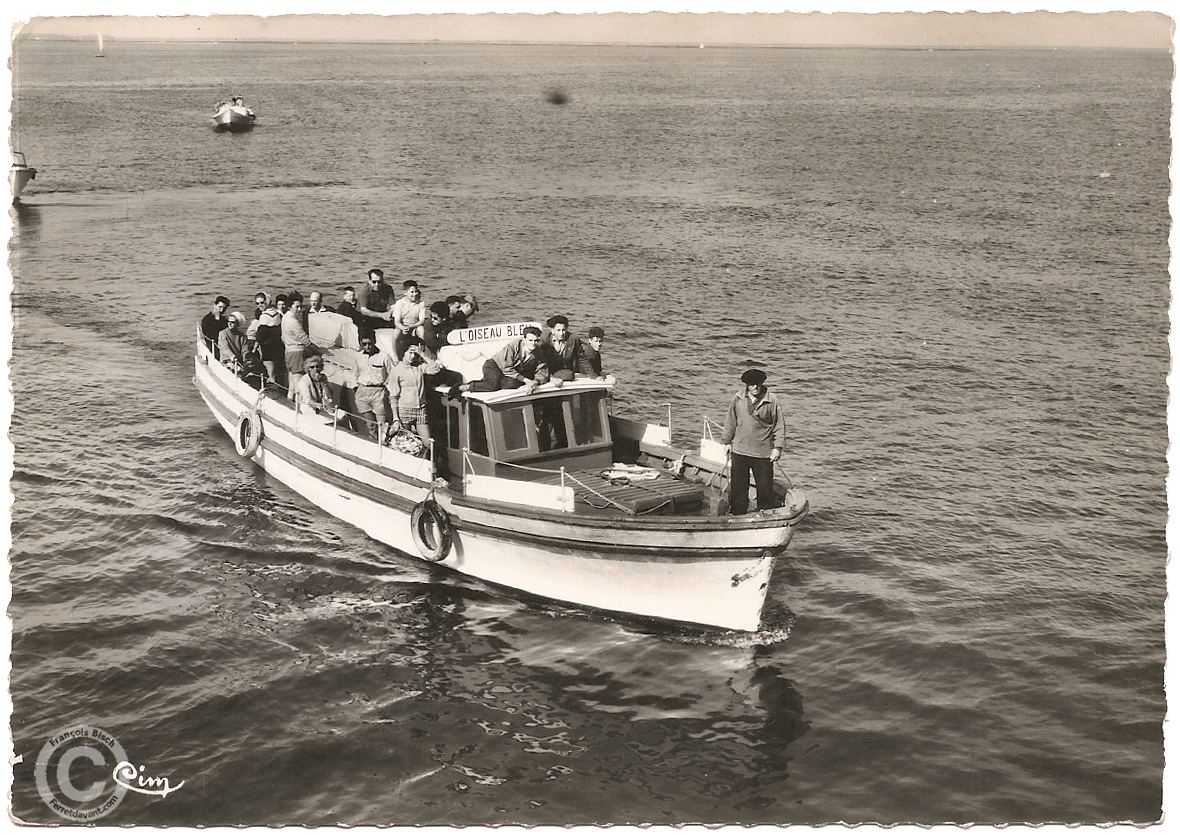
519, 364
562, 349
590, 356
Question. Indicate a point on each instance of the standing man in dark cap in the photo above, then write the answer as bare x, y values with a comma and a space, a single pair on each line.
755, 431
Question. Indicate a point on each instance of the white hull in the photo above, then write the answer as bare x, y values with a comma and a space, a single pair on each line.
233, 118
19, 177
661, 569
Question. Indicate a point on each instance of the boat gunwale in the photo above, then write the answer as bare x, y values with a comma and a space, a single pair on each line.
650, 523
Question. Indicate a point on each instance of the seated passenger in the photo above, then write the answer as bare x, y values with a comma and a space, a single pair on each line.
253, 368
261, 303
407, 390
456, 318
372, 374
348, 307
409, 313
562, 350
433, 332
315, 303
462, 308
270, 342
313, 394
469, 307
214, 323
590, 356
231, 341
520, 363
375, 301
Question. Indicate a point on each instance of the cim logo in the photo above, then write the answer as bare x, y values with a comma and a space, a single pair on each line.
83, 773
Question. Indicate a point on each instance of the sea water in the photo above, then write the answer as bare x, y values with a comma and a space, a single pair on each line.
951, 264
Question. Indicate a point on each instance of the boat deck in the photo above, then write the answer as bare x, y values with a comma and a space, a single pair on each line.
665, 495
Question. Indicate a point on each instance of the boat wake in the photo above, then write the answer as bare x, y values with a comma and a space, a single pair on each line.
740, 640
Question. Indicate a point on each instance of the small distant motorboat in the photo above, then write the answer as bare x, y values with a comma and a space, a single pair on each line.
233, 116
19, 175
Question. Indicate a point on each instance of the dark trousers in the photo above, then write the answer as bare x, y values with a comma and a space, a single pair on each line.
740, 467
494, 379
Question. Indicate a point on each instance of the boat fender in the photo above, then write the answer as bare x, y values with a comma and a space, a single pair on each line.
431, 528
249, 434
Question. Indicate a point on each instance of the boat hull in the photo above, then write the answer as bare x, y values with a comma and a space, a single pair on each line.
659, 568
233, 119
19, 177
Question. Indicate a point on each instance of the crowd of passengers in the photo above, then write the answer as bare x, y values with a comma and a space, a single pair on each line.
274, 349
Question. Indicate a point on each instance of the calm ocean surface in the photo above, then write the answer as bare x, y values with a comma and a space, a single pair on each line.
953, 266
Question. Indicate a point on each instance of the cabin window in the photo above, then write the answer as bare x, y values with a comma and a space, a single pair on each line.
453, 427
587, 419
551, 432
477, 430
516, 436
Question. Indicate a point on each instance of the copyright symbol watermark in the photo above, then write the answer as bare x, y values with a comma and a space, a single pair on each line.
75, 773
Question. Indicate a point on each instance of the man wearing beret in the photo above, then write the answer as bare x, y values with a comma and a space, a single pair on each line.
755, 431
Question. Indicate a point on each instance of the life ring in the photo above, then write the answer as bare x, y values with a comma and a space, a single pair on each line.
431, 528
249, 434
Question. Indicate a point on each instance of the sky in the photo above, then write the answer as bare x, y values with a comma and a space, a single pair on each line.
1045, 24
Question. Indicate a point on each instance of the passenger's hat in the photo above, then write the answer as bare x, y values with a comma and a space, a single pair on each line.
754, 377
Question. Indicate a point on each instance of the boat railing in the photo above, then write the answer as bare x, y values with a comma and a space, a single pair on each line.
349, 441
644, 433
711, 449
519, 491
331, 433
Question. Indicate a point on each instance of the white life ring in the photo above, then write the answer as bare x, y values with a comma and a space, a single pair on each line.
249, 433
431, 528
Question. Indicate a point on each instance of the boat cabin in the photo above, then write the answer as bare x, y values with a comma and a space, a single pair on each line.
522, 437
560, 440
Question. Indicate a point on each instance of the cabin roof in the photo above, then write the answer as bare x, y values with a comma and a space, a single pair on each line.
338, 336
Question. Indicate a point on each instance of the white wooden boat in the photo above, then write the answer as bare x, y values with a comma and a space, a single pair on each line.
504, 505
19, 174
233, 116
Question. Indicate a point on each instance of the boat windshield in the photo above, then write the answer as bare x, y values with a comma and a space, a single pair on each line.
515, 434
477, 431
551, 423
587, 418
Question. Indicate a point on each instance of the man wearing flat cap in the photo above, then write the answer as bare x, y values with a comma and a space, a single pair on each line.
755, 431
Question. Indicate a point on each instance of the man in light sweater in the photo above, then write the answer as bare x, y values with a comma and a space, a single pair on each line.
755, 431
